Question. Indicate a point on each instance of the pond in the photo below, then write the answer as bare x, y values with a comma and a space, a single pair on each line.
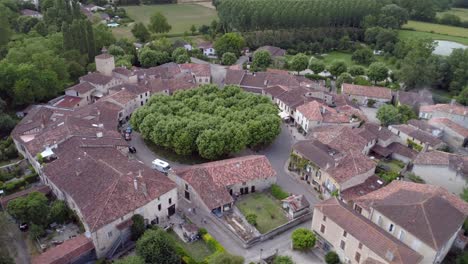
445, 47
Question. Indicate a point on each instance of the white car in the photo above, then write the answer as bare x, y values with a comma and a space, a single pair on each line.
161, 165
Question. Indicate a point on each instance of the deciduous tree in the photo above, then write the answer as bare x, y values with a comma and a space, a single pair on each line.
302, 239
377, 72
158, 23
229, 42
299, 62
261, 60
156, 247
140, 32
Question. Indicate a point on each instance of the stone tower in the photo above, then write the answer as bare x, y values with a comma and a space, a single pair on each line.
105, 64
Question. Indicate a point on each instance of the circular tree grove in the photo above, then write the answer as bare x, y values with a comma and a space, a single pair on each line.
209, 121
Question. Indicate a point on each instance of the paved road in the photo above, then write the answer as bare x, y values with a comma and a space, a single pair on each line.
371, 114
218, 72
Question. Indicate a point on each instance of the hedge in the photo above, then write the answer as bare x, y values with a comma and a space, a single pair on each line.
14, 186
278, 193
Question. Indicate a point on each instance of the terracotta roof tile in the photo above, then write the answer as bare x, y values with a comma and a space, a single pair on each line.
66, 252
447, 123
96, 78
446, 108
68, 101
369, 91
82, 87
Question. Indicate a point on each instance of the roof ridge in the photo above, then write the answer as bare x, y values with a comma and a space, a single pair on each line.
429, 225
105, 204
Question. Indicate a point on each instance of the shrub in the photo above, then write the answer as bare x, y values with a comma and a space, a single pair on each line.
332, 258
202, 231
36, 231
138, 226
303, 239
212, 243
228, 58
414, 145
371, 103
415, 178
277, 192
252, 219
283, 260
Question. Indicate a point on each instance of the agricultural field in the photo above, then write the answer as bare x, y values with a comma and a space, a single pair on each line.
180, 16
460, 12
437, 28
411, 34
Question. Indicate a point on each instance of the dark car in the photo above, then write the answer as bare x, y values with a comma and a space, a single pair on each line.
132, 149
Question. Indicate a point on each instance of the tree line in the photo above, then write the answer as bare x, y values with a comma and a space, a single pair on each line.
255, 15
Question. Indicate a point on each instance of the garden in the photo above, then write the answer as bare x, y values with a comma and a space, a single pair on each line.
389, 170
263, 211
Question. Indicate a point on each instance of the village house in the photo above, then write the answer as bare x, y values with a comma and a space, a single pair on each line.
82, 90
200, 72
367, 95
424, 217
295, 206
330, 170
456, 113
355, 238
83, 159
213, 186
443, 169
314, 114
207, 49
416, 138
273, 51
129, 98
453, 134
414, 99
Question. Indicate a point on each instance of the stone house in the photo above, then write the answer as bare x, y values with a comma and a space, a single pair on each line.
200, 72
410, 135
443, 169
452, 111
355, 238
207, 49
213, 186
453, 134
81, 90
414, 99
129, 97
363, 95
424, 217
295, 206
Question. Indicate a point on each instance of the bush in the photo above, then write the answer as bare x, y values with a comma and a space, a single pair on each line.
202, 231
332, 258
138, 227
228, 58
283, 260
36, 231
212, 243
252, 219
278, 193
302, 239
371, 103
415, 178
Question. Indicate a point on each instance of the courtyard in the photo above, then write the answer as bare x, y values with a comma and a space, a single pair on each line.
268, 210
198, 249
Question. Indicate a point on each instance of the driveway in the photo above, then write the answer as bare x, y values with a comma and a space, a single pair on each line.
371, 114
218, 72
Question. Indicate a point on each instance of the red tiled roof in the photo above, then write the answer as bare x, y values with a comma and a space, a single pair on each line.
446, 108
454, 161
234, 76
96, 78
121, 97
420, 135
197, 69
445, 122
369, 91
430, 213
82, 87
274, 51
212, 179
369, 234
66, 252
68, 101
372, 183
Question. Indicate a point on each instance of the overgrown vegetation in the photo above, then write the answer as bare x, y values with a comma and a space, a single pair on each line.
278, 192
210, 121
303, 239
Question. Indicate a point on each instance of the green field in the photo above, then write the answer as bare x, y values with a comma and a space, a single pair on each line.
410, 34
180, 16
460, 12
437, 28
346, 57
268, 210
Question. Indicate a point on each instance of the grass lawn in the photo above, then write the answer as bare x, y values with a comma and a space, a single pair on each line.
198, 250
394, 165
410, 34
346, 57
269, 212
181, 17
123, 32
460, 12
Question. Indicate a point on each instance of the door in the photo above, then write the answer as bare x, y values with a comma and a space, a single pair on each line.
242, 191
252, 189
171, 210
246, 190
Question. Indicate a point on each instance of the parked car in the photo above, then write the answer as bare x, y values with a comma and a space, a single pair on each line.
23, 227
161, 165
132, 149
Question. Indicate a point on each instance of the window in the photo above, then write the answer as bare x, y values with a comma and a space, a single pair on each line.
324, 218
357, 257
187, 195
342, 244
170, 200
252, 189
401, 235
379, 220
358, 209
391, 227
186, 186
141, 96
109, 234
345, 233
159, 207
322, 229
360, 246
141, 103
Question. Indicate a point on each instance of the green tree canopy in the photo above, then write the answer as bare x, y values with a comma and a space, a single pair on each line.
299, 62
332, 258
208, 120
130, 260
317, 66
261, 60
363, 56
283, 260
303, 238
377, 72
32, 209
229, 42
140, 32
388, 115
138, 226
228, 58
155, 246
158, 23
338, 67
417, 68
357, 70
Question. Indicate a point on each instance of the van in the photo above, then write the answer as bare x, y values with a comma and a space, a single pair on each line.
161, 165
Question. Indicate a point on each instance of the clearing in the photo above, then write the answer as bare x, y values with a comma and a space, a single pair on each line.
269, 212
460, 12
180, 16
328, 58
410, 34
198, 250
